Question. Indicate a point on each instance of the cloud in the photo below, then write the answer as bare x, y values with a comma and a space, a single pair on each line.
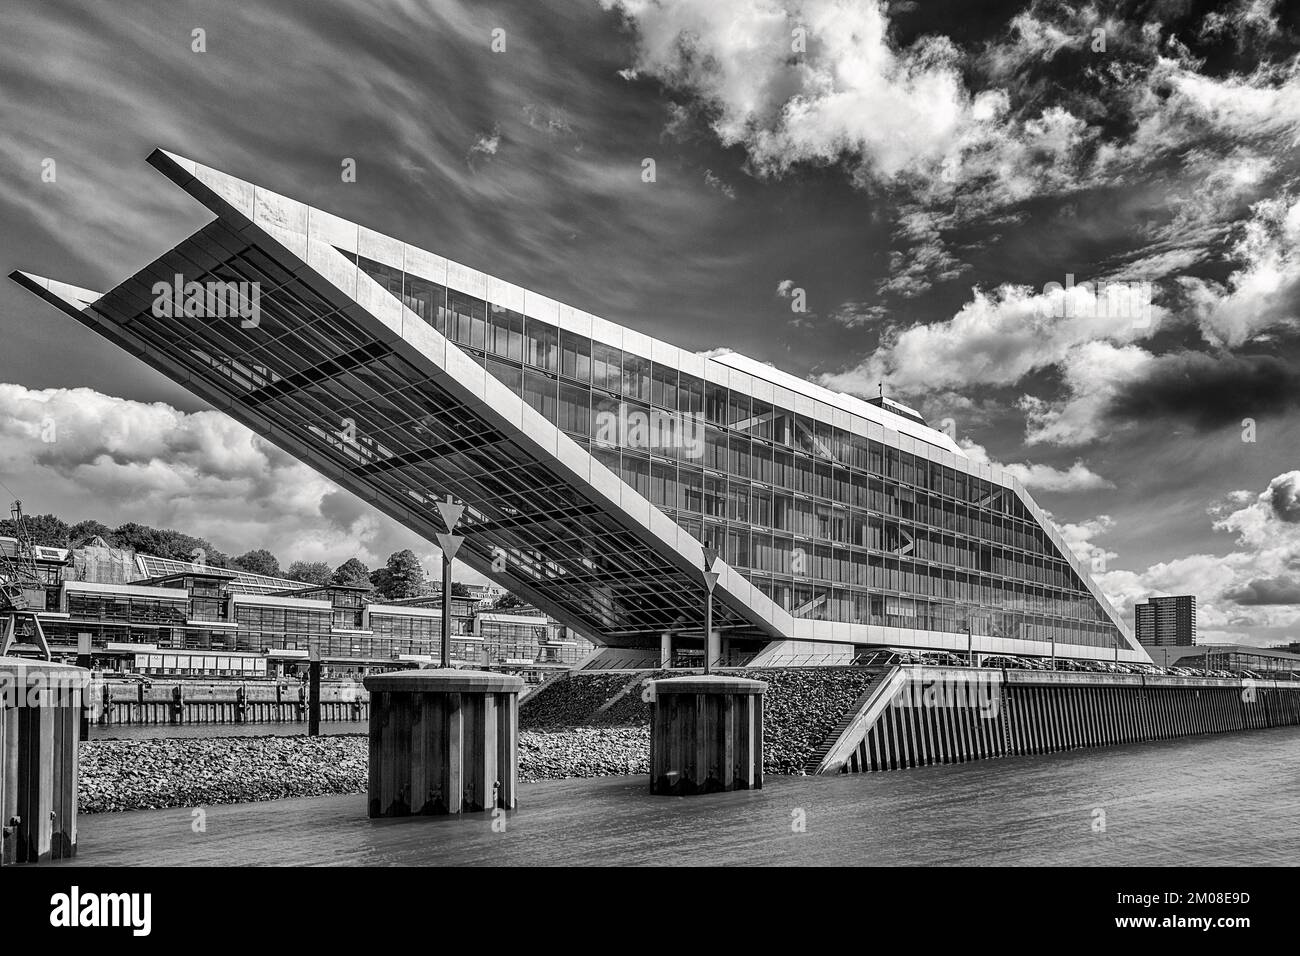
850, 93
1249, 22
925, 259
853, 314
487, 145
1079, 537
1091, 375
1283, 497
1265, 291
1207, 390
714, 182
959, 137
1078, 477
81, 454
997, 338
1266, 591
1258, 573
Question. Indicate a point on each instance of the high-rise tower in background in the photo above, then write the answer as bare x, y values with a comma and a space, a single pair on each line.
1167, 621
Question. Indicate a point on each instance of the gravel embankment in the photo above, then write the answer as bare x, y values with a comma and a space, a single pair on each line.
202, 771
583, 752
569, 702
802, 706
560, 736
198, 771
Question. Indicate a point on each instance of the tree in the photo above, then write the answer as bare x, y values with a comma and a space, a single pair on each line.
507, 601
258, 561
309, 572
402, 577
165, 543
48, 531
85, 530
351, 573
459, 590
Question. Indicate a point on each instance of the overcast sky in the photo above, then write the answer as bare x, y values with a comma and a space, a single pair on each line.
918, 173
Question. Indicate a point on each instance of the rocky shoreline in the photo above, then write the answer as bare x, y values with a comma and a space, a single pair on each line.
586, 725
167, 772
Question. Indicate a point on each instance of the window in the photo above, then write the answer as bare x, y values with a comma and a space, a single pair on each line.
467, 322
574, 409
690, 394
606, 366
715, 403
426, 299
663, 386
509, 375
540, 392
575, 357
636, 377
541, 345
507, 334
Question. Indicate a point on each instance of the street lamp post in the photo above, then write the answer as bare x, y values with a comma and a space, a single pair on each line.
710, 581
970, 635
450, 544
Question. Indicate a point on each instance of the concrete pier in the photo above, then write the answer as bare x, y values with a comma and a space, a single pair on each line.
443, 742
926, 715
706, 734
40, 732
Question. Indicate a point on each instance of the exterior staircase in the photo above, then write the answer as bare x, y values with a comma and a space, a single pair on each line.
814, 761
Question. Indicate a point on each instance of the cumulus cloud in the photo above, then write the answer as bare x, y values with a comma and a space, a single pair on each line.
1091, 375
1079, 536
1283, 497
1265, 291
851, 91
967, 133
1251, 586
82, 454
1040, 477
997, 339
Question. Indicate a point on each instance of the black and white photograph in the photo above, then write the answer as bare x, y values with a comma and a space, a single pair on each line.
687, 434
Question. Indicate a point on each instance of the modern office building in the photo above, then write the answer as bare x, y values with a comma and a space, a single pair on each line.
596, 462
1166, 621
196, 621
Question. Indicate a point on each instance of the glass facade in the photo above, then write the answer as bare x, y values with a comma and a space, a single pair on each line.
351, 628
829, 524
280, 628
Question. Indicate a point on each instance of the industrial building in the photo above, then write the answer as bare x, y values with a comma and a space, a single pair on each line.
192, 621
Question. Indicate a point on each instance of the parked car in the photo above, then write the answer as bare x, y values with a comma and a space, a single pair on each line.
1000, 660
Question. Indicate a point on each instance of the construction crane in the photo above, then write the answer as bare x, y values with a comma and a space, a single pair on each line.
22, 594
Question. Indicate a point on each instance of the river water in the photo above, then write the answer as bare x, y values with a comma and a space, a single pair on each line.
1230, 799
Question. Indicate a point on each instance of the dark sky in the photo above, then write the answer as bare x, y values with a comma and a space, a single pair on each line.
919, 172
